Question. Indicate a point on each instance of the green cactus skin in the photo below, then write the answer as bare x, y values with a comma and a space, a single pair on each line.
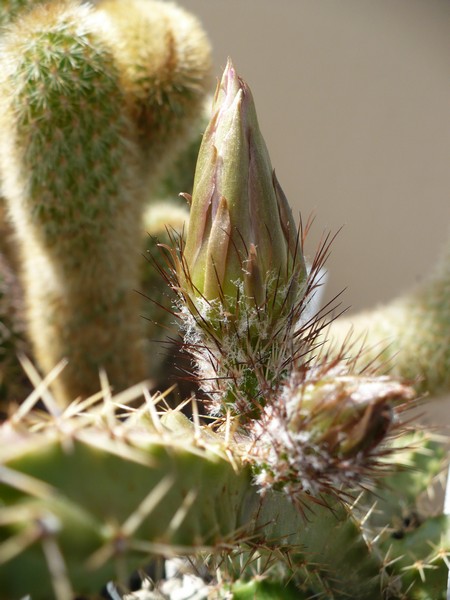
95, 482
106, 492
101, 494
75, 172
422, 460
264, 590
422, 561
414, 539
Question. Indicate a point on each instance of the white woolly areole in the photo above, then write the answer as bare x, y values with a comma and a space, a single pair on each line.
287, 451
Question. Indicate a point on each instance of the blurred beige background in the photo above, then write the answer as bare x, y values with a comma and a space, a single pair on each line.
353, 98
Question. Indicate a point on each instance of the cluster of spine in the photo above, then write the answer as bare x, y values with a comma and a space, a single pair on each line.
151, 483
87, 122
142, 487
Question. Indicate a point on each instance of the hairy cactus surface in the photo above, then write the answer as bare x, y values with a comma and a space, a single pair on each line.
87, 121
410, 336
296, 475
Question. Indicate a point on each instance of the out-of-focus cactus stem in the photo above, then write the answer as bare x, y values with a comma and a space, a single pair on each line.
95, 100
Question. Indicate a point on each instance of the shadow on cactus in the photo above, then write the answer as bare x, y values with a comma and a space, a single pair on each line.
299, 481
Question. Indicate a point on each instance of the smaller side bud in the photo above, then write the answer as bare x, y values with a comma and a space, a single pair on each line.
327, 433
346, 415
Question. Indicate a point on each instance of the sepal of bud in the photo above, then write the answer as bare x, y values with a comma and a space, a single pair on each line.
347, 415
253, 278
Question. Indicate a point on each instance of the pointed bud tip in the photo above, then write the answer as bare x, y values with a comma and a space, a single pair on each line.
230, 78
229, 86
229, 70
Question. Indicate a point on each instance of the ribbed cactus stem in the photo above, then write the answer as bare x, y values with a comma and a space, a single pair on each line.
149, 484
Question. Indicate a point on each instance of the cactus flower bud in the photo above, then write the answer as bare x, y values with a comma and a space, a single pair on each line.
347, 414
241, 276
325, 432
241, 229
